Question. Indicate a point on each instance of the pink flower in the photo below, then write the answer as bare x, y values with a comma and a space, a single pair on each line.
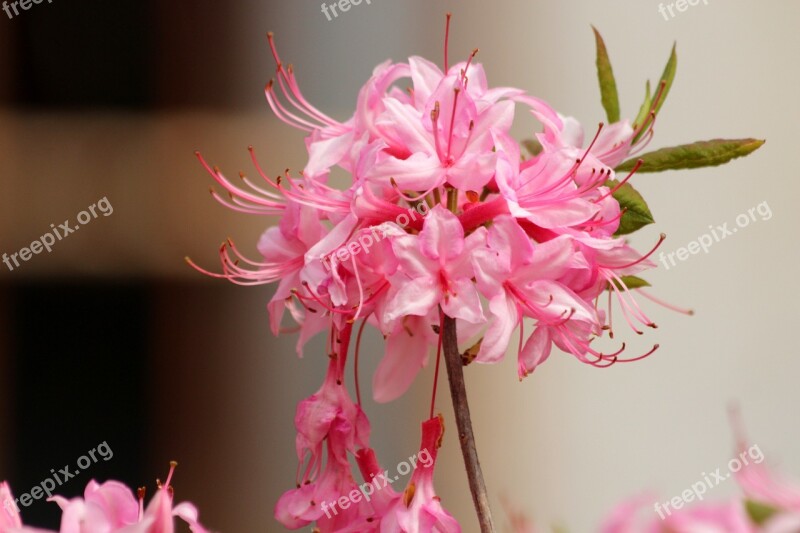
107, 508
407, 350
329, 425
10, 520
711, 518
636, 516
520, 278
159, 517
767, 488
420, 510
104, 507
435, 269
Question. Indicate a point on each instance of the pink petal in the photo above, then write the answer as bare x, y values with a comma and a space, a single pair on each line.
442, 237
536, 351
505, 318
406, 354
463, 302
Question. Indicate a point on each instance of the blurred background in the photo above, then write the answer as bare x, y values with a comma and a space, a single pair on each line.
112, 338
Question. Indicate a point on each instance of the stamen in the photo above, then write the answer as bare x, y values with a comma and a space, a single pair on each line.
639, 358
449, 159
172, 466
682, 310
446, 42
355, 361
619, 185
435, 121
140, 493
643, 258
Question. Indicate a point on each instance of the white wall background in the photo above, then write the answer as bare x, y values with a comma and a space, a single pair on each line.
571, 441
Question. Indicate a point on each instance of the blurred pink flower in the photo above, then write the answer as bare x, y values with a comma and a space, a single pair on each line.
109, 507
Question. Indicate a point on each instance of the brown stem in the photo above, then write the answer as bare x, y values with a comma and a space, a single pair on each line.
458, 392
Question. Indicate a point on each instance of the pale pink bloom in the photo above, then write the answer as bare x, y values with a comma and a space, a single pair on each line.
728, 517
435, 269
765, 487
407, 350
520, 279
637, 516
329, 426
612, 146
109, 506
419, 509
160, 514
782, 523
634, 515
442, 133
315, 499
10, 520
551, 190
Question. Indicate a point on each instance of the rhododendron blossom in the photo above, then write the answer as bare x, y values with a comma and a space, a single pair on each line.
475, 242
109, 507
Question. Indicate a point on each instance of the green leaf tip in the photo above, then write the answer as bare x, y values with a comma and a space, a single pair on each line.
695, 155
605, 77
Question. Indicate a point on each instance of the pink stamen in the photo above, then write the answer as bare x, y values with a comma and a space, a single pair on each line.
682, 310
619, 185
643, 258
446, 41
355, 361
449, 160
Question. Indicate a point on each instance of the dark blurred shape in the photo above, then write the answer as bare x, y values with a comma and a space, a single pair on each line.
124, 55
85, 53
79, 366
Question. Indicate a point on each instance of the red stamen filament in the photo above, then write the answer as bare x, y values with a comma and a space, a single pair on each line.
355, 361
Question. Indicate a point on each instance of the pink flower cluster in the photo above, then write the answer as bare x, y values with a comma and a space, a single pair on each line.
498, 239
108, 507
470, 229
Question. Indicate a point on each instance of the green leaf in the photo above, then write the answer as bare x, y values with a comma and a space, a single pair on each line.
605, 76
696, 155
646, 105
759, 513
533, 146
667, 77
631, 282
637, 214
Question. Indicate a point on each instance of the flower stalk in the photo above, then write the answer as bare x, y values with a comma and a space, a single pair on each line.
458, 393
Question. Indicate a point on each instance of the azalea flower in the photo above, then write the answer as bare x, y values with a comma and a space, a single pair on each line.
109, 507
419, 509
440, 235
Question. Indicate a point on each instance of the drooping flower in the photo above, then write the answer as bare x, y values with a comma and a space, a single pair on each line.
419, 509
329, 426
